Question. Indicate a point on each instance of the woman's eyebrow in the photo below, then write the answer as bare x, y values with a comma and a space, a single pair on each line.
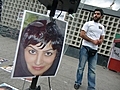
41, 49
48, 50
32, 47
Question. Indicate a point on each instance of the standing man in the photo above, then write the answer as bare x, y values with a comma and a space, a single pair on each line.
93, 34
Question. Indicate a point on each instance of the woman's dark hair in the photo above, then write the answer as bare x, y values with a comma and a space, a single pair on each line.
6, 87
39, 31
100, 10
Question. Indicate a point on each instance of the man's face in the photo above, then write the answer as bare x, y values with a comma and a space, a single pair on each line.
97, 16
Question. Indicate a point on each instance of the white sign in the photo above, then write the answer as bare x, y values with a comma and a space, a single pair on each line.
20, 16
61, 17
116, 53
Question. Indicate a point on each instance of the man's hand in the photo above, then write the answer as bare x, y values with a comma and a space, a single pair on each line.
100, 42
96, 42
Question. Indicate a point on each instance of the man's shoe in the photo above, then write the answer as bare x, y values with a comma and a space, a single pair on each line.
76, 86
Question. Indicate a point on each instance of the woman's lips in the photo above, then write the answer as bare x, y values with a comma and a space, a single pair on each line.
38, 68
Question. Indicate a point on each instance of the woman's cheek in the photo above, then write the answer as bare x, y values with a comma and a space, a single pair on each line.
29, 58
49, 59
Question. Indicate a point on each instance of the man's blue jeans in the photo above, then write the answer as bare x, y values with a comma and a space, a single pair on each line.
92, 61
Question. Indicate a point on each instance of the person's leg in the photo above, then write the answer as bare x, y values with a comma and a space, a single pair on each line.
82, 61
92, 61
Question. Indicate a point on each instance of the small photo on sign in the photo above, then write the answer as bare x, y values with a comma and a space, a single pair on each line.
7, 68
40, 46
20, 16
2, 60
5, 86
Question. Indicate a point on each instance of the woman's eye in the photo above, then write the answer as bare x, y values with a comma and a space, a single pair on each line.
32, 51
48, 53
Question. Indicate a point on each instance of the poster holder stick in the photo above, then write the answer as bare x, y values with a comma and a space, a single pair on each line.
33, 84
49, 83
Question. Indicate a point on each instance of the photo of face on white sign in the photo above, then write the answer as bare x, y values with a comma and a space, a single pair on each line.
58, 14
40, 46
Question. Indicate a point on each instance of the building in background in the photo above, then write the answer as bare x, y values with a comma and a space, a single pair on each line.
111, 21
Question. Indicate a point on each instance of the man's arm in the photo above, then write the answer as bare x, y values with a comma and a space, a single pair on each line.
101, 39
84, 36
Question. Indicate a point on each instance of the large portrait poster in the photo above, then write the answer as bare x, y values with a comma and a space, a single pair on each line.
40, 46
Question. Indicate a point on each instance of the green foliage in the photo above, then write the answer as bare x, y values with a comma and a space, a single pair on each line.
29, 17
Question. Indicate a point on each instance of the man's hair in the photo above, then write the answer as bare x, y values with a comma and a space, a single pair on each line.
100, 10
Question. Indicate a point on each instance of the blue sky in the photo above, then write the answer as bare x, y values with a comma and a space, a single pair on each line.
103, 3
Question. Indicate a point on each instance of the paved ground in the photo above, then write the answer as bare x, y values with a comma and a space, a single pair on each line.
106, 79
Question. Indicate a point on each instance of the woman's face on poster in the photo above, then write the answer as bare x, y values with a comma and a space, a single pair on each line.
5, 88
2, 89
39, 59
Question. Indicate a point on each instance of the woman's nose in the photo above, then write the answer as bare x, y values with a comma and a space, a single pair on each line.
39, 58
